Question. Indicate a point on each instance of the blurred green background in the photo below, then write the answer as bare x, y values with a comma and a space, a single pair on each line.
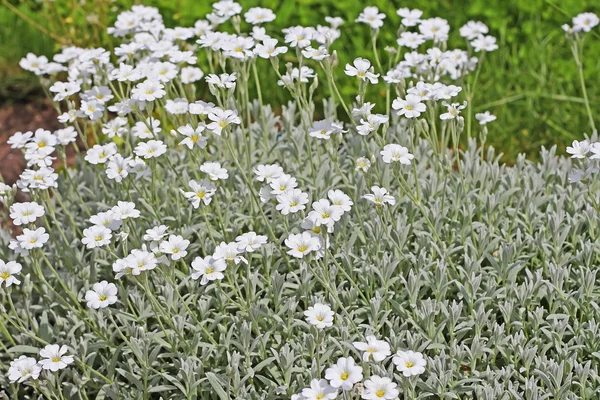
530, 83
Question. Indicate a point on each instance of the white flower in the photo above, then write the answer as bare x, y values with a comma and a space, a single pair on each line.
324, 213
23, 368
26, 213
149, 90
54, 357
344, 374
411, 40
485, 117
99, 154
269, 48
335, 22
193, 136
200, 192
106, 219
362, 164
230, 253
453, 110
283, 183
93, 109
298, 36
340, 199
191, 74
42, 178
291, 201
19, 139
595, 149
258, 15
376, 350
371, 124
362, 69
96, 236
392, 153
175, 246
318, 54
101, 94
208, 268
435, 29
64, 89
177, 106
223, 81
378, 387
409, 362
324, 129
372, 17
585, 22
66, 135
484, 43
150, 149
250, 241
31, 239
266, 173
579, 149
409, 17
380, 196
102, 295
7, 270
214, 170
472, 29
227, 8
302, 244
140, 260
42, 141
124, 210
117, 168
156, 234
33, 63
319, 390
319, 315
411, 107
147, 129
221, 119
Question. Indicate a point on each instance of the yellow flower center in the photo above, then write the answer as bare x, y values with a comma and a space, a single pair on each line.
409, 364
102, 297
302, 249
326, 215
293, 204
200, 194
148, 91
98, 238
56, 359
380, 393
344, 376
5, 275
210, 270
41, 144
222, 124
320, 318
409, 107
320, 396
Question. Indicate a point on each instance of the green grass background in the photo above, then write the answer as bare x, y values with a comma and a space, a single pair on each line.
530, 83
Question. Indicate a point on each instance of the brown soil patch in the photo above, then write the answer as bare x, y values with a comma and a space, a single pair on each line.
22, 117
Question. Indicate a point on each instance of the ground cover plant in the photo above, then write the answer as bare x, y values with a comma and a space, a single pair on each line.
344, 248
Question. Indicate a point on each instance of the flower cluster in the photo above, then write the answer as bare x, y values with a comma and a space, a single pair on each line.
209, 242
